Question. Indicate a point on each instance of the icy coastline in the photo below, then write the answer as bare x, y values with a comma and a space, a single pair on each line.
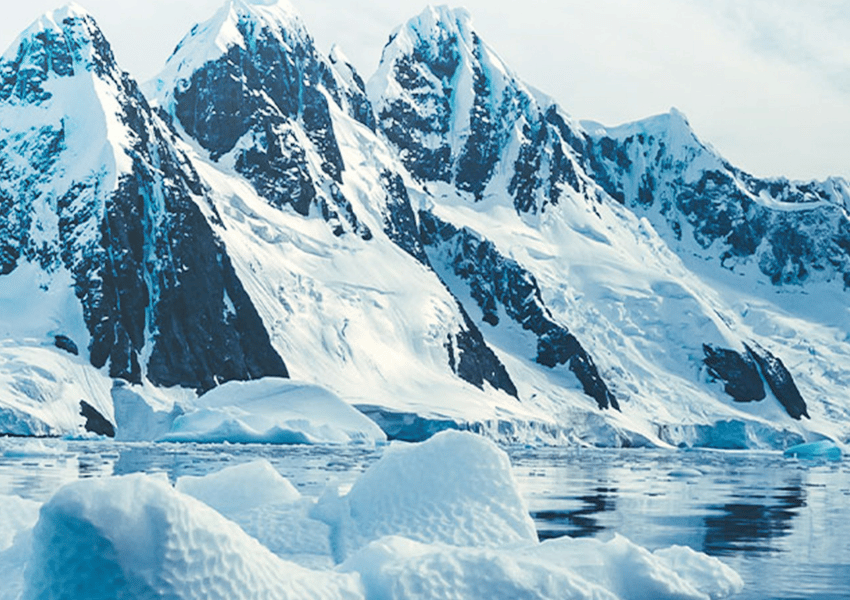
439, 519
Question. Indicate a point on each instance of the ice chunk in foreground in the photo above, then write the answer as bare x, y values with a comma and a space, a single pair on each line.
825, 449
273, 410
135, 537
456, 488
240, 488
268, 508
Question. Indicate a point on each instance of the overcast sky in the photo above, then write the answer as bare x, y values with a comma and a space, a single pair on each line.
766, 82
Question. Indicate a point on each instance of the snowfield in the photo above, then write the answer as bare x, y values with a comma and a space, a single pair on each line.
440, 519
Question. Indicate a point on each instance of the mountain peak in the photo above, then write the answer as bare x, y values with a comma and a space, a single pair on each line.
61, 43
435, 24
71, 20
235, 24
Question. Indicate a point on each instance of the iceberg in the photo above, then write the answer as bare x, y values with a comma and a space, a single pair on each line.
456, 488
822, 450
135, 537
16, 515
240, 488
275, 411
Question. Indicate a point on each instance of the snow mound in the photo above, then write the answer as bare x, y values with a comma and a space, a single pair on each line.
273, 410
240, 488
456, 488
135, 537
290, 533
824, 449
395, 568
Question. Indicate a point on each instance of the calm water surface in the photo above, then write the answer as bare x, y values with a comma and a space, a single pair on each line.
784, 525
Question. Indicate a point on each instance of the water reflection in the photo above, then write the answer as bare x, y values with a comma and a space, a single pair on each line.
579, 522
749, 526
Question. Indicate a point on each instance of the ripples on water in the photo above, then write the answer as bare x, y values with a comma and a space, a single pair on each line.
783, 524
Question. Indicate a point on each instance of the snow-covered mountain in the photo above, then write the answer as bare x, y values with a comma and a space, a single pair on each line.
443, 246
96, 197
542, 222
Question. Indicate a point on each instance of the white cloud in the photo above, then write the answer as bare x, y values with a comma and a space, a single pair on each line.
767, 82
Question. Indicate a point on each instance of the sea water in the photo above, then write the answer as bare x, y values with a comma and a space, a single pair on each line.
783, 524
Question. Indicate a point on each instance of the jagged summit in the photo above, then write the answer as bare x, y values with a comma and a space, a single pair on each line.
458, 114
236, 24
434, 23
61, 43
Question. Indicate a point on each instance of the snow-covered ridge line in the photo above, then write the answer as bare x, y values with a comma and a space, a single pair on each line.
465, 256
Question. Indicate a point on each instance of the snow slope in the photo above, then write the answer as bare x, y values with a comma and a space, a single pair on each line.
333, 264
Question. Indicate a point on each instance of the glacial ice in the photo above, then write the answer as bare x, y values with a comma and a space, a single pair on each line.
824, 449
440, 519
396, 568
16, 515
272, 410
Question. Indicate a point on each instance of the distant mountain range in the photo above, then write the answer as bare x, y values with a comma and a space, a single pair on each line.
441, 246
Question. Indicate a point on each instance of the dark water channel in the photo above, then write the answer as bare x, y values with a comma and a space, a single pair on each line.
783, 524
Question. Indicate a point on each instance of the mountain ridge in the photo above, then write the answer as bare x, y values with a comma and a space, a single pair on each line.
442, 241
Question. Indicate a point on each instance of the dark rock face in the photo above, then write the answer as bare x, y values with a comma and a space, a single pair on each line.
352, 93
96, 422
473, 361
497, 282
484, 145
63, 342
745, 373
780, 381
399, 220
737, 370
421, 121
147, 266
740, 217
411, 126
257, 94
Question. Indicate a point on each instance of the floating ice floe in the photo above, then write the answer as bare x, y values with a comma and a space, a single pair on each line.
240, 488
822, 450
272, 410
440, 519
